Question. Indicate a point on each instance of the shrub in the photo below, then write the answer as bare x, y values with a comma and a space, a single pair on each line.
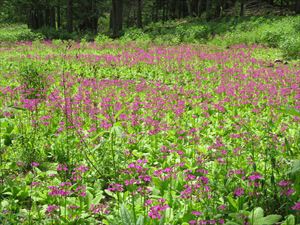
135, 34
17, 32
52, 33
102, 38
291, 46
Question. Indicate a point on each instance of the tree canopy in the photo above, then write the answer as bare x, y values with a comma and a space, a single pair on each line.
84, 15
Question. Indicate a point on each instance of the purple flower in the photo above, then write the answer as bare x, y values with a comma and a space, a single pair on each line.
115, 188
255, 176
156, 210
51, 208
284, 183
62, 167
148, 202
222, 207
238, 192
34, 184
35, 164
296, 206
197, 213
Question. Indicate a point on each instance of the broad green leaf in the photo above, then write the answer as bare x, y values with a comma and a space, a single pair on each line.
140, 220
268, 220
233, 202
162, 221
295, 168
125, 216
290, 220
290, 111
257, 213
97, 199
231, 223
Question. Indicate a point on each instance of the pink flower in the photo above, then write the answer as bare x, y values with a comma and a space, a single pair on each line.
238, 192
284, 183
222, 207
62, 167
197, 213
296, 206
255, 176
35, 164
51, 209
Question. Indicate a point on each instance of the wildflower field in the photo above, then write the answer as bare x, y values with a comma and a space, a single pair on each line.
129, 134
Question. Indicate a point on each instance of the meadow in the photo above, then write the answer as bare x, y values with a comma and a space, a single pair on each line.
129, 133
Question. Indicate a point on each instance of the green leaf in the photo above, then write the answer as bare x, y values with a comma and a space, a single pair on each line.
125, 216
295, 168
97, 199
233, 202
140, 220
162, 221
290, 111
119, 113
268, 220
17, 108
89, 198
231, 223
257, 213
290, 220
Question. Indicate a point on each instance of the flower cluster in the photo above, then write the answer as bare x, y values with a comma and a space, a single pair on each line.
156, 211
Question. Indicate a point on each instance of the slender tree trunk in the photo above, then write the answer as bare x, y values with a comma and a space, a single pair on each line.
139, 14
208, 9
164, 12
117, 17
297, 7
111, 20
153, 12
156, 10
52, 17
199, 9
95, 17
47, 16
128, 17
58, 17
242, 10
30, 19
189, 7
70, 16
40, 18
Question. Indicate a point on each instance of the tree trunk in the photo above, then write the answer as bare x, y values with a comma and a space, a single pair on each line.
139, 14
297, 7
47, 16
242, 10
156, 10
189, 7
52, 17
30, 19
58, 17
111, 20
70, 16
128, 16
208, 9
199, 8
117, 17
39, 19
